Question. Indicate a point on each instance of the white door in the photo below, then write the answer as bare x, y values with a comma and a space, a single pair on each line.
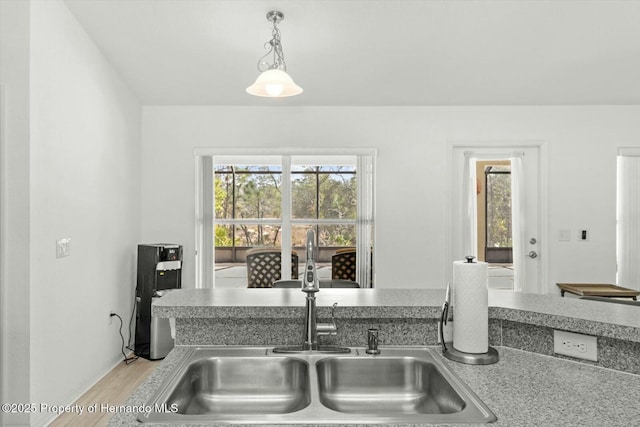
528, 219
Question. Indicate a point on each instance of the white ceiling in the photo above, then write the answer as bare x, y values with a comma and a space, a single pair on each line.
375, 52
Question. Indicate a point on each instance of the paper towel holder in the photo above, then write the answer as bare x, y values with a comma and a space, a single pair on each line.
448, 351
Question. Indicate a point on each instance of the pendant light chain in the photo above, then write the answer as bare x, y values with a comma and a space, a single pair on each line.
274, 46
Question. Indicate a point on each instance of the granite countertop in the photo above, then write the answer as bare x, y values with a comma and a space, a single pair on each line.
592, 317
522, 389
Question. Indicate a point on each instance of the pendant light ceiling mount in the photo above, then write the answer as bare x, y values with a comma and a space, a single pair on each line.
275, 16
274, 82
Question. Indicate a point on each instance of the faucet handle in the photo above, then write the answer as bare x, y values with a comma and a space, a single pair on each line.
333, 312
372, 342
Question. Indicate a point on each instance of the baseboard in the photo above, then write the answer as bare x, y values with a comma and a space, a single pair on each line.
43, 420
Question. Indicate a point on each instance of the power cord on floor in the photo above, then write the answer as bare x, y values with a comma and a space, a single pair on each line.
127, 360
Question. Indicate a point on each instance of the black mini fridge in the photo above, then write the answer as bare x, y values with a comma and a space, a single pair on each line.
159, 272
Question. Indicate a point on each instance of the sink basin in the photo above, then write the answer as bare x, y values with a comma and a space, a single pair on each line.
385, 386
254, 385
228, 385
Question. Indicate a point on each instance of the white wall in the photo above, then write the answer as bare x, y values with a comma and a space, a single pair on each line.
14, 231
413, 144
85, 185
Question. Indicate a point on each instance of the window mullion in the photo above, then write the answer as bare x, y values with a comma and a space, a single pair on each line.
233, 212
249, 221
324, 221
317, 227
286, 218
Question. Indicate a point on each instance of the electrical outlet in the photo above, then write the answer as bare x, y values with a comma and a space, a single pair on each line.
575, 345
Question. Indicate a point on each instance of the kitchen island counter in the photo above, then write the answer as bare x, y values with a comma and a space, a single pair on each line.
529, 386
583, 316
522, 389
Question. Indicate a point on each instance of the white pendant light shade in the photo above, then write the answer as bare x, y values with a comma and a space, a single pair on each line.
274, 84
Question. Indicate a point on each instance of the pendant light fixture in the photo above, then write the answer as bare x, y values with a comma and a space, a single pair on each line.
274, 82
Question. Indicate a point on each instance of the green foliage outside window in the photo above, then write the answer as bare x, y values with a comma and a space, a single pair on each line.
499, 233
258, 195
325, 196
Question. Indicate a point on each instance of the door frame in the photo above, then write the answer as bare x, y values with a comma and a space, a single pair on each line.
454, 147
3, 320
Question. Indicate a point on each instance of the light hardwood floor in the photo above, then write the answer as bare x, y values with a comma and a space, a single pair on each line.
113, 389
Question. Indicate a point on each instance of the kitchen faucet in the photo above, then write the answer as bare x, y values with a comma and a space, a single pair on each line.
311, 285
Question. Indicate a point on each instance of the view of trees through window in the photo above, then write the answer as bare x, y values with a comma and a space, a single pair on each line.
248, 205
498, 207
324, 193
248, 192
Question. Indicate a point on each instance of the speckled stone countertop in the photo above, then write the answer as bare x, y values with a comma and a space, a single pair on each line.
522, 389
593, 317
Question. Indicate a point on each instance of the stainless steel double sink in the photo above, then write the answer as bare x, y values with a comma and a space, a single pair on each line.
254, 385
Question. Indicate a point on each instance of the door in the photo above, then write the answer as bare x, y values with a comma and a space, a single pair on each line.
526, 201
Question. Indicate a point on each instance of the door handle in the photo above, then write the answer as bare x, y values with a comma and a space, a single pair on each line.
533, 254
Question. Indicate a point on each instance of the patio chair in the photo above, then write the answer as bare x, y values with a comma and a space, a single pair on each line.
343, 264
263, 267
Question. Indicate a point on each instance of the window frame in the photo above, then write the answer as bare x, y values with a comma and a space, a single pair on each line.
488, 171
205, 215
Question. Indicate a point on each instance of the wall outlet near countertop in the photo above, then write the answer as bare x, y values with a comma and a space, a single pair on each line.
575, 345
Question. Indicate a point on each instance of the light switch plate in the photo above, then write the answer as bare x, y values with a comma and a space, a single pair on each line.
63, 247
564, 235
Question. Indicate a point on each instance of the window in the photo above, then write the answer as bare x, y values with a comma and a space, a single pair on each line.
494, 211
248, 201
262, 201
324, 198
498, 236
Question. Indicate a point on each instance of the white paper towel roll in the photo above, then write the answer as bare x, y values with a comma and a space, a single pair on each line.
470, 307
